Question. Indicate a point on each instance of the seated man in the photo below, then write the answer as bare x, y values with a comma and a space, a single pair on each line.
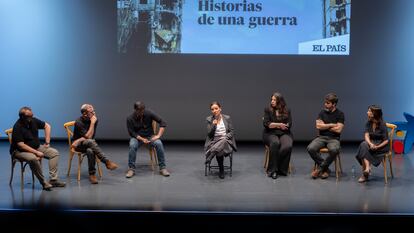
26, 146
330, 123
139, 125
83, 141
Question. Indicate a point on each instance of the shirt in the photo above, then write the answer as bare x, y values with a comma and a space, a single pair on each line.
220, 130
27, 132
331, 118
81, 128
143, 126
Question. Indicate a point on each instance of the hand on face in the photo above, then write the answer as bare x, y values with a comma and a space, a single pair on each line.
216, 111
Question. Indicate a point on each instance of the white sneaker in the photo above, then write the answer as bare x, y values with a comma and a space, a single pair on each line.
130, 173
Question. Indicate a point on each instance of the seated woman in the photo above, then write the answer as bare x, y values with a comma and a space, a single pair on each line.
220, 140
373, 149
277, 122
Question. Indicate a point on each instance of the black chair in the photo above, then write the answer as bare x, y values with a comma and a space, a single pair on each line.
208, 167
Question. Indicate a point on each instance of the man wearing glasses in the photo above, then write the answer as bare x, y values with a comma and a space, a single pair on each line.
84, 141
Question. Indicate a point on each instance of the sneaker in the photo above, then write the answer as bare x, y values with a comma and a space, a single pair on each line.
111, 165
164, 172
47, 187
57, 183
93, 179
315, 174
130, 173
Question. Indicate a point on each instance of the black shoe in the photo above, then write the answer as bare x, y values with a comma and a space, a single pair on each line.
275, 175
47, 187
221, 174
57, 183
269, 174
208, 159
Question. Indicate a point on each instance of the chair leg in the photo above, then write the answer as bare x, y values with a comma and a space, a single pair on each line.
151, 152
21, 175
231, 165
336, 167
205, 169
13, 163
98, 162
33, 180
79, 166
384, 162
266, 160
340, 165
390, 161
70, 162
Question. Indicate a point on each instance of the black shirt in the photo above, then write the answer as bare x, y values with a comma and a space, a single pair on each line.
331, 118
270, 117
81, 128
378, 135
27, 132
143, 126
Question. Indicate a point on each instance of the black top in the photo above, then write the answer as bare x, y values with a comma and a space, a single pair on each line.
270, 117
27, 132
331, 118
378, 135
82, 126
143, 126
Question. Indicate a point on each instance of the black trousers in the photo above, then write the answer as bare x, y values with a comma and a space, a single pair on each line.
280, 152
220, 162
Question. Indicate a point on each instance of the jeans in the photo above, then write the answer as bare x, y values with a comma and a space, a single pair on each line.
134, 144
333, 146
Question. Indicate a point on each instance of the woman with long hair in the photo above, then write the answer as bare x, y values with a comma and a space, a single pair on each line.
375, 145
277, 122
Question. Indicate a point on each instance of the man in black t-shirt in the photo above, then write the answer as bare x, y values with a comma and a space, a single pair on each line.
139, 125
330, 123
84, 141
26, 146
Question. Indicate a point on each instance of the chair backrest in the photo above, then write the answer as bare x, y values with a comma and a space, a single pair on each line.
9, 133
69, 131
391, 128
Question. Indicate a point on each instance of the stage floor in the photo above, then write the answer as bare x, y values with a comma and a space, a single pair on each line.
249, 190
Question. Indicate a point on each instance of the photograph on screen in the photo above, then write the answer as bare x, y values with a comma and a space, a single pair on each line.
291, 27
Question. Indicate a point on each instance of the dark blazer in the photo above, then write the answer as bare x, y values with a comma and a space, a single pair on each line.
211, 129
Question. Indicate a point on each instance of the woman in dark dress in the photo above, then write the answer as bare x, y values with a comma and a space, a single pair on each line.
220, 140
277, 122
375, 145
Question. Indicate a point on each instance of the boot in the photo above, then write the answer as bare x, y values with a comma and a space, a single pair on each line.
221, 168
209, 157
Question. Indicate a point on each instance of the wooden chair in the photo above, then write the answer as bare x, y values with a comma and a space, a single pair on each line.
388, 155
266, 160
14, 160
69, 130
338, 164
